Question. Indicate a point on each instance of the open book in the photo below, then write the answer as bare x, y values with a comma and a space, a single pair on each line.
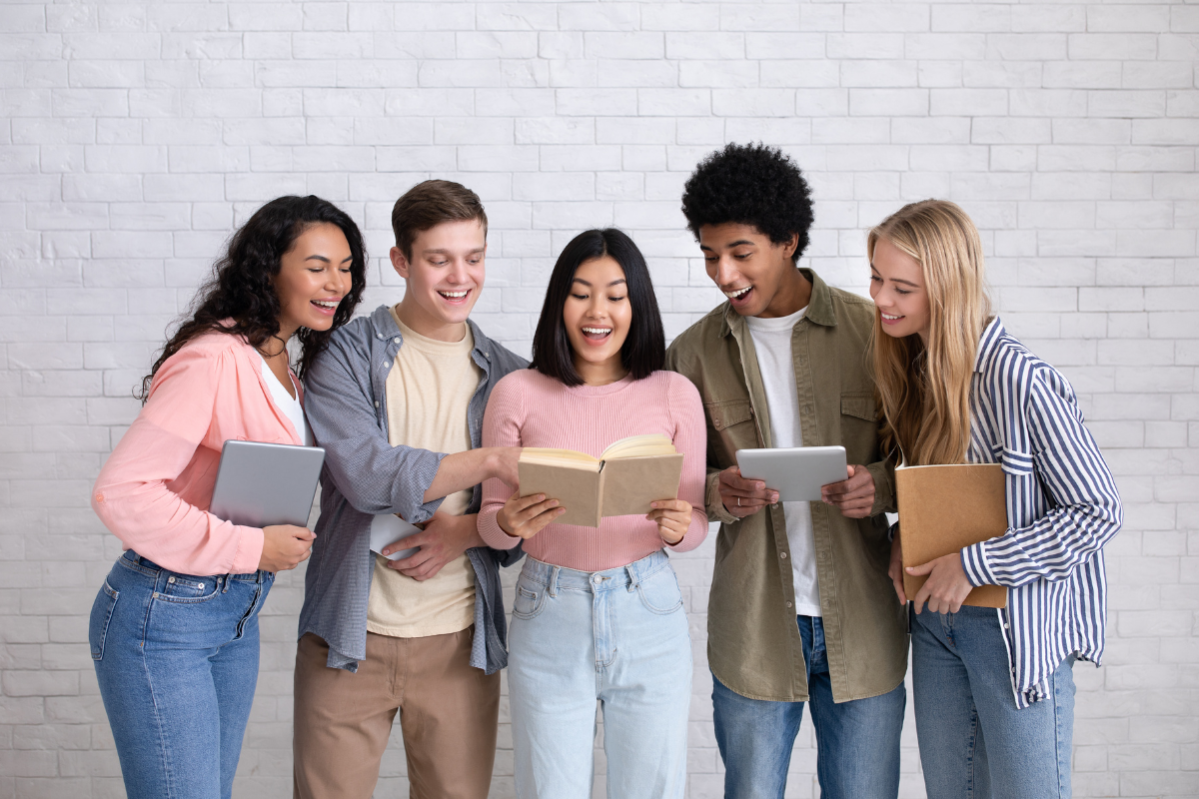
945, 508
624, 479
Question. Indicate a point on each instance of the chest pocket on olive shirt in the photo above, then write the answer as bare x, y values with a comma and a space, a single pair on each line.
859, 427
730, 428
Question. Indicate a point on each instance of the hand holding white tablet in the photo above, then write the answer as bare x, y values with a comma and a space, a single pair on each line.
797, 473
744, 497
853, 497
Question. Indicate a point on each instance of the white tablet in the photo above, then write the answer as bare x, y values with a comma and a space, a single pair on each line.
387, 528
797, 473
261, 484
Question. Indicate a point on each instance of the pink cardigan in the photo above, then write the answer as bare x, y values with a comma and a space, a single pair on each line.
154, 491
529, 409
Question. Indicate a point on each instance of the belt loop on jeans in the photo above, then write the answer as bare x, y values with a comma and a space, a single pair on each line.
224, 580
634, 580
553, 587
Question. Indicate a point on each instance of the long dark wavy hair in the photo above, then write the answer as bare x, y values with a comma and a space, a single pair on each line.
241, 288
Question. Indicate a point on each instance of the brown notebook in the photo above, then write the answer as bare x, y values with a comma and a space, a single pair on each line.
625, 479
945, 508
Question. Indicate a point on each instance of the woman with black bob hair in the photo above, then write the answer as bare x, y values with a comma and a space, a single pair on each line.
174, 628
598, 613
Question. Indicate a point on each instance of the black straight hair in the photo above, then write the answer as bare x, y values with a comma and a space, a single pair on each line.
643, 352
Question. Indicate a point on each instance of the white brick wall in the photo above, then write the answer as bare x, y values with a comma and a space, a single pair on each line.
135, 136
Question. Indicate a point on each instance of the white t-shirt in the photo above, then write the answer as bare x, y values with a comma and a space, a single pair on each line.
772, 341
285, 402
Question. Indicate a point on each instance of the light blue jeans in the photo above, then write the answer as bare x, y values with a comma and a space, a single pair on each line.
618, 636
857, 742
962, 688
177, 660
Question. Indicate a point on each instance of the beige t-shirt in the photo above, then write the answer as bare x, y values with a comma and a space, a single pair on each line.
428, 390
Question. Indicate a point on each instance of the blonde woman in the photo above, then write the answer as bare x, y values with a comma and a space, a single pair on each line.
993, 690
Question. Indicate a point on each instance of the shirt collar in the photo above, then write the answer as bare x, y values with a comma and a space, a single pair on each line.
820, 307
988, 343
385, 327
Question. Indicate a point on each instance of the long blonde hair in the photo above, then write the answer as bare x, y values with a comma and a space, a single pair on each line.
925, 392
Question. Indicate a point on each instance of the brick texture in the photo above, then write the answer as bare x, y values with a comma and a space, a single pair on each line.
135, 136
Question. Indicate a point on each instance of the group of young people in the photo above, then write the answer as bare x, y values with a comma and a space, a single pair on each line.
422, 415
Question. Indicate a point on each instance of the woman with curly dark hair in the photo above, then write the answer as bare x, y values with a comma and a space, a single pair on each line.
174, 628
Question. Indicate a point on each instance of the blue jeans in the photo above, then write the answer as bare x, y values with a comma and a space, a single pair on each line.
962, 688
857, 742
177, 660
618, 636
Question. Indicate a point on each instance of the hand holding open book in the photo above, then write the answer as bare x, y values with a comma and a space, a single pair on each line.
626, 479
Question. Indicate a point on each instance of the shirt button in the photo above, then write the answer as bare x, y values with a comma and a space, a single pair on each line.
376, 403
783, 555
788, 604
396, 340
387, 364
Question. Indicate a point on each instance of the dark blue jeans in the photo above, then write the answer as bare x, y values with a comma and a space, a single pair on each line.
857, 742
177, 660
974, 741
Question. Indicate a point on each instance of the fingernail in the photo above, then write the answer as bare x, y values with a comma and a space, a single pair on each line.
553, 503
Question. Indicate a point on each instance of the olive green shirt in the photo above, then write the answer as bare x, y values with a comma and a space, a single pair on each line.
754, 646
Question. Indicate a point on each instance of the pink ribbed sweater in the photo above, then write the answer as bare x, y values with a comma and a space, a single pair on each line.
529, 409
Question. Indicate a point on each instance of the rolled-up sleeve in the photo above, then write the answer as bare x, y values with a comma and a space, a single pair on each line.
1086, 510
370, 473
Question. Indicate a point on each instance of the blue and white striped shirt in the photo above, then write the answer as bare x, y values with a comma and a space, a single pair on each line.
1062, 507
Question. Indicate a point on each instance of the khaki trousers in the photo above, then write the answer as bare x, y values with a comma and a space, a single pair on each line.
448, 714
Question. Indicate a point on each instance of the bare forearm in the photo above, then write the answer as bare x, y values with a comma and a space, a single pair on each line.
464, 470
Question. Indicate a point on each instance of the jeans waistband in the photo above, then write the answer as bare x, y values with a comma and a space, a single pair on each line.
147, 566
555, 577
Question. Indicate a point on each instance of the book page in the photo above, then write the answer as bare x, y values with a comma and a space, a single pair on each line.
568, 458
639, 446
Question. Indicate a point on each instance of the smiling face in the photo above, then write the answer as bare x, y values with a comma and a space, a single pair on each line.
444, 277
757, 275
597, 316
898, 290
313, 277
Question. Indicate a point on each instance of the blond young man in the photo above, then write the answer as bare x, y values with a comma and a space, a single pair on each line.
397, 402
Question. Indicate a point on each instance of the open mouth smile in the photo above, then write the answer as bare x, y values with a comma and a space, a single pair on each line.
738, 295
454, 296
329, 306
596, 335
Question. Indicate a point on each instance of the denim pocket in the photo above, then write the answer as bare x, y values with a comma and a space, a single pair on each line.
530, 600
97, 628
660, 592
188, 590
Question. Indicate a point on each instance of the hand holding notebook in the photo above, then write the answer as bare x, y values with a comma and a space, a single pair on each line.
945, 508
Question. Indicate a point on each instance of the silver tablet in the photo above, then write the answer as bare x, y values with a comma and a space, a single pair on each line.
261, 484
797, 473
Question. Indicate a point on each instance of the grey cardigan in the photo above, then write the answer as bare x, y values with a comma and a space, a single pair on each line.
364, 475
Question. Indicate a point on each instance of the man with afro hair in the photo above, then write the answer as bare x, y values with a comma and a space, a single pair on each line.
801, 608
